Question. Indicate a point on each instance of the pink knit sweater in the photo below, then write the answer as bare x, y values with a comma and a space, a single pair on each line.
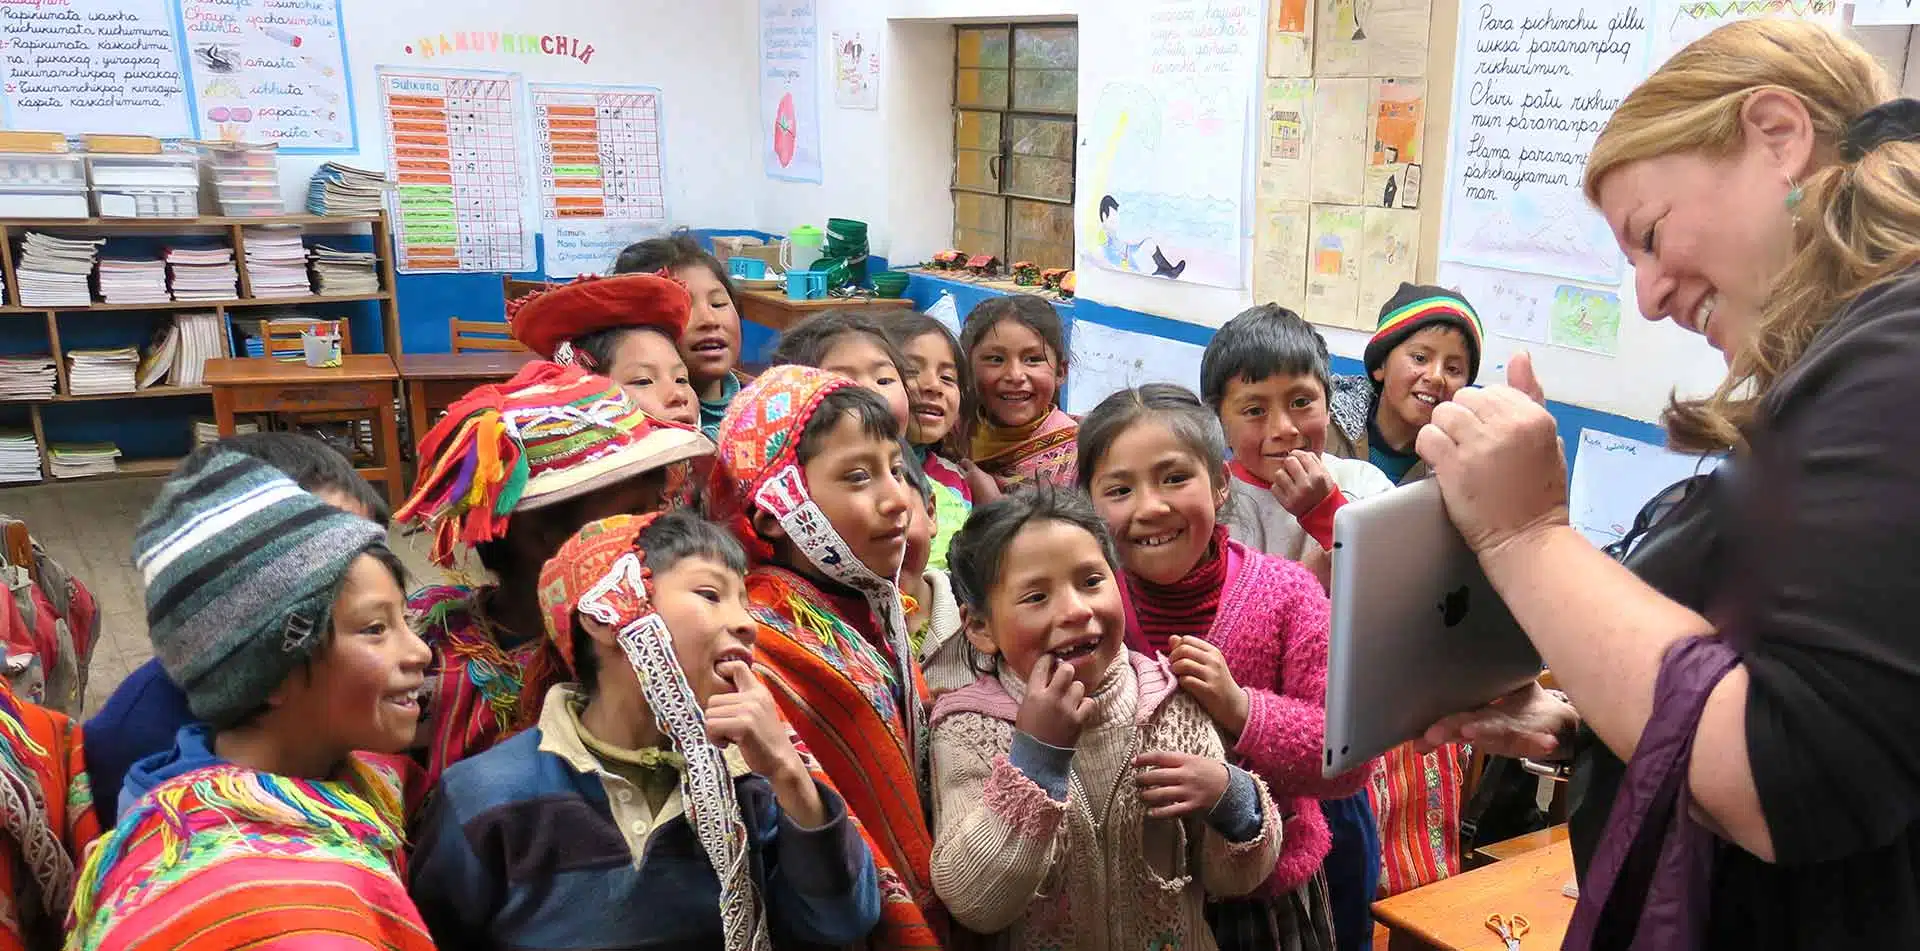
1272, 626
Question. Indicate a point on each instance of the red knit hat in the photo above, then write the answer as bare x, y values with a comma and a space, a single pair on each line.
551, 319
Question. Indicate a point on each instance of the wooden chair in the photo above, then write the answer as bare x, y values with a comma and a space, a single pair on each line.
284, 337
514, 289
481, 335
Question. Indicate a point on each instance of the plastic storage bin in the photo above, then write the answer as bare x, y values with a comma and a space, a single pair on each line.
34, 171
147, 202
252, 207
43, 201
167, 170
240, 154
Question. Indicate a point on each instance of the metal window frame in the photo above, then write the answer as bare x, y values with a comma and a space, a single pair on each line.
1000, 164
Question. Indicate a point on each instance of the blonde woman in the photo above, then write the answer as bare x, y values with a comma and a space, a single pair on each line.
1757, 663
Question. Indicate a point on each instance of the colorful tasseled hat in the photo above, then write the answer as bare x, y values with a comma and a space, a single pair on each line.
582, 562
759, 438
550, 434
550, 320
1415, 307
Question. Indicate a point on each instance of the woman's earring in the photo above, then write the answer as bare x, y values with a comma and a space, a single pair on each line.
1794, 196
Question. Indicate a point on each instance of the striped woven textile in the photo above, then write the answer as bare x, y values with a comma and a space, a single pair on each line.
49, 817
1416, 799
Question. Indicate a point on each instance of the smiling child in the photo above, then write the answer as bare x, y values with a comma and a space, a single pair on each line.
1427, 347
663, 730
1018, 352
284, 619
624, 328
1076, 788
710, 344
943, 403
810, 478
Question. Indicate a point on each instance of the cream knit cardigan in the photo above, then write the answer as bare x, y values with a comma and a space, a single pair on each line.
1093, 871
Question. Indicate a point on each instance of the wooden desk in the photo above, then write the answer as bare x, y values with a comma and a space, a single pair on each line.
1451, 914
363, 381
1522, 844
776, 311
435, 380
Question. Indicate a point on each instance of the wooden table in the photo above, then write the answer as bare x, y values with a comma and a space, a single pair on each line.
1451, 914
366, 382
435, 380
776, 311
1522, 844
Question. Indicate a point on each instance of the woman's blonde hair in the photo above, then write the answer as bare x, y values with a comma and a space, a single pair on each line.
1857, 223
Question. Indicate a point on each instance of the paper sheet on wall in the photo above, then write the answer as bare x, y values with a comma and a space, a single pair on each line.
1160, 191
93, 66
601, 185
1389, 252
1337, 125
1106, 359
270, 71
1371, 37
1679, 22
790, 90
1334, 237
1584, 318
1396, 129
1510, 304
454, 153
1290, 37
1284, 161
1280, 252
1535, 87
856, 68
1885, 12
1614, 477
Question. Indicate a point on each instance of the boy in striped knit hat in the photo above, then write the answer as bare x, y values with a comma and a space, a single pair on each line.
1427, 347
284, 619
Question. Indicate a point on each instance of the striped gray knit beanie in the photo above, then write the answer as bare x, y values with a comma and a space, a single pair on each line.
241, 567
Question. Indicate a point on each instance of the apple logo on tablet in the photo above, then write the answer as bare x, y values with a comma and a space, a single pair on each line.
1453, 608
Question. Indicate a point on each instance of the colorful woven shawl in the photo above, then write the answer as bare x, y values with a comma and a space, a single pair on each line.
1416, 800
48, 810
226, 857
1041, 451
477, 689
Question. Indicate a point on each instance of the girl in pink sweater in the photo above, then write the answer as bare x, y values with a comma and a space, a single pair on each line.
1244, 632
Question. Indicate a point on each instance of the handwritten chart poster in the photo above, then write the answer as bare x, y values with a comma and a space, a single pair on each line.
1535, 88
1679, 22
601, 187
1164, 156
856, 68
454, 146
790, 90
1614, 477
93, 66
1106, 359
1290, 38
1371, 37
270, 71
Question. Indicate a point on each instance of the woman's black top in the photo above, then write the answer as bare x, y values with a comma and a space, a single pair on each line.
1805, 554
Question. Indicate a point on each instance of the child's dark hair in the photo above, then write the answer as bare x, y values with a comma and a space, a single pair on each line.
310, 463
915, 473
672, 538
808, 342
906, 326
1026, 310
875, 418
556, 523
1172, 406
670, 254
976, 556
1263, 341
599, 346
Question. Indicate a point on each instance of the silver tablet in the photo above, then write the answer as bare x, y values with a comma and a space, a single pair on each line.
1418, 632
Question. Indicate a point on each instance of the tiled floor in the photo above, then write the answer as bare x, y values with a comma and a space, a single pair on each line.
88, 527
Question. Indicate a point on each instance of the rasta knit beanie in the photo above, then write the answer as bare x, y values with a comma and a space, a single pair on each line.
241, 568
1415, 307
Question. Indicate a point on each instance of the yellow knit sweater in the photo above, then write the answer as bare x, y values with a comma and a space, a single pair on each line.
1093, 871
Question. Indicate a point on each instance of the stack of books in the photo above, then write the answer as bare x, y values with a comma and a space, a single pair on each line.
207, 432
203, 273
19, 456
80, 459
179, 352
345, 273
133, 280
338, 189
95, 372
27, 377
277, 262
53, 271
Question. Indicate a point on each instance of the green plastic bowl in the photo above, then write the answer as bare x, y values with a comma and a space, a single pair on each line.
890, 284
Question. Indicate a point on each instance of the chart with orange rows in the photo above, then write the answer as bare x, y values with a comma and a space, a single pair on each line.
599, 152
455, 146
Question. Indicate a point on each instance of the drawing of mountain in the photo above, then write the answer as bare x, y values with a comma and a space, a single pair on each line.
1521, 227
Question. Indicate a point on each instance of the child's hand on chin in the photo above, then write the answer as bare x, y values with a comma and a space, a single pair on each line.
1302, 483
748, 719
1176, 784
1056, 707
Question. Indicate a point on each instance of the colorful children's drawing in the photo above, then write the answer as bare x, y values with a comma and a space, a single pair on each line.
1585, 319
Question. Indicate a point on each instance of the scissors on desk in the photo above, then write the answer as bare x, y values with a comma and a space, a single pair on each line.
1509, 928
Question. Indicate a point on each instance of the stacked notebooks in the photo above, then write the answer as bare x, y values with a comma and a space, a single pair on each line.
97, 372
276, 262
133, 280
78, 460
338, 189
206, 431
179, 353
343, 273
52, 272
203, 273
28, 376
19, 456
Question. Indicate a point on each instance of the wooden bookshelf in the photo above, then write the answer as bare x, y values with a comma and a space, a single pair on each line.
233, 230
